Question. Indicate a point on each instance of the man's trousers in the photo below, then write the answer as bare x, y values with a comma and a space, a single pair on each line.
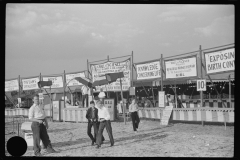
108, 126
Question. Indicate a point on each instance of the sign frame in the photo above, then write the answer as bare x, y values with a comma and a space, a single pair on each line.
205, 84
30, 78
49, 76
13, 79
106, 86
164, 103
147, 62
74, 73
178, 59
166, 111
112, 113
131, 90
204, 54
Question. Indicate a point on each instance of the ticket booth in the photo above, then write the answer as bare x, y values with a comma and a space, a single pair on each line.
58, 107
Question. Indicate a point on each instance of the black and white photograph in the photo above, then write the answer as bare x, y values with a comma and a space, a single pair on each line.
119, 80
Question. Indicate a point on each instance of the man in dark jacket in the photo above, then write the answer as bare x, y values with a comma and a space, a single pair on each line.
92, 116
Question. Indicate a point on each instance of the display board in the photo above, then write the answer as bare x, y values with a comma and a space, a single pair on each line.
30, 83
57, 81
148, 70
181, 68
161, 99
166, 115
220, 61
70, 81
201, 85
109, 103
98, 70
11, 85
132, 91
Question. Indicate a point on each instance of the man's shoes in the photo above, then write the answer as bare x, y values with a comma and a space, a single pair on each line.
111, 145
98, 146
38, 154
92, 143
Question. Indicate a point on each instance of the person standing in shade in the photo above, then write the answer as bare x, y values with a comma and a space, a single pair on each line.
92, 116
133, 109
104, 118
84, 95
39, 127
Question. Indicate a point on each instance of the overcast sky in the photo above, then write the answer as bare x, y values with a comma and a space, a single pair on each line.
51, 38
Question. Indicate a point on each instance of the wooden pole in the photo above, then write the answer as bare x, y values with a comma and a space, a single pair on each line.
64, 83
122, 101
201, 92
51, 104
107, 85
153, 97
175, 94
161, 72
230, 97
19, 90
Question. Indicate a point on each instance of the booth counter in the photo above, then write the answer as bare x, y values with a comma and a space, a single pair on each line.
191, 114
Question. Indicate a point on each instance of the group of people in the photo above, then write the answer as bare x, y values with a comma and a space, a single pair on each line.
98, 117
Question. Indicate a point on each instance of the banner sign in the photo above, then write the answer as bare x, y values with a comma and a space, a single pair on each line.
220, 61
161, 98
109, 103
112, 67
148, 70
70, 81
30, 83
181, 68
11, 85
166, 115
57, 82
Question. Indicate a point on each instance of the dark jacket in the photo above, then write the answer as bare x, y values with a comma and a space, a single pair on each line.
89, 114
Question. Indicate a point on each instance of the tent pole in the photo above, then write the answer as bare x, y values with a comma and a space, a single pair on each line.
122, 102
230, 97
201, 92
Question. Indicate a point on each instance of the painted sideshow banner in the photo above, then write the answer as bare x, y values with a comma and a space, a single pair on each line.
148, 70
70, 81
112, 67
11, 85
57, 81
220, 61
30, 83
181, 68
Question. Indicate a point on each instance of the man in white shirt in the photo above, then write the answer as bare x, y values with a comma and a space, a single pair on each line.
104, 118
39, 127
84, 95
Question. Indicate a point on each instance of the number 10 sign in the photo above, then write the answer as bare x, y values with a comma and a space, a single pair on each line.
201, 85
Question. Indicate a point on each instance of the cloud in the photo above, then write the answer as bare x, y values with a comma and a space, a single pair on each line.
97, 36
165, 44
223, 26
170, 16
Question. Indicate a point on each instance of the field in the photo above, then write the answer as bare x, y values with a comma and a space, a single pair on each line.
152, 140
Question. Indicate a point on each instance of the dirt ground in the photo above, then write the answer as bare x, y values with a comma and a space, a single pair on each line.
152, 140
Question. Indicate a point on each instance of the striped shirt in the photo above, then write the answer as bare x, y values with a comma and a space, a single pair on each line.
37, 112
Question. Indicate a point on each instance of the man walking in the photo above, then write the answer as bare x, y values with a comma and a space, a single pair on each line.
92, 116
104, 118
39, 127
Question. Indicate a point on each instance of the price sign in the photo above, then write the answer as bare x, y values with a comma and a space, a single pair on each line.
132, 91
201, 85
161, 99
40, 95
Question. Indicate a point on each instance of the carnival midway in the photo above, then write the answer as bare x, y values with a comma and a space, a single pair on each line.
195, 88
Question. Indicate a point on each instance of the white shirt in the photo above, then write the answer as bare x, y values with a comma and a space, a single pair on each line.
101, 95
84, 90
36, 111
103, 113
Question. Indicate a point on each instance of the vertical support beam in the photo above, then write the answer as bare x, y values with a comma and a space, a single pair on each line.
201, 92
176, 104
107, 84
122, 102
64, 85
230, 97
153, 97
132, 72
19, 90
161, 72
51, 106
